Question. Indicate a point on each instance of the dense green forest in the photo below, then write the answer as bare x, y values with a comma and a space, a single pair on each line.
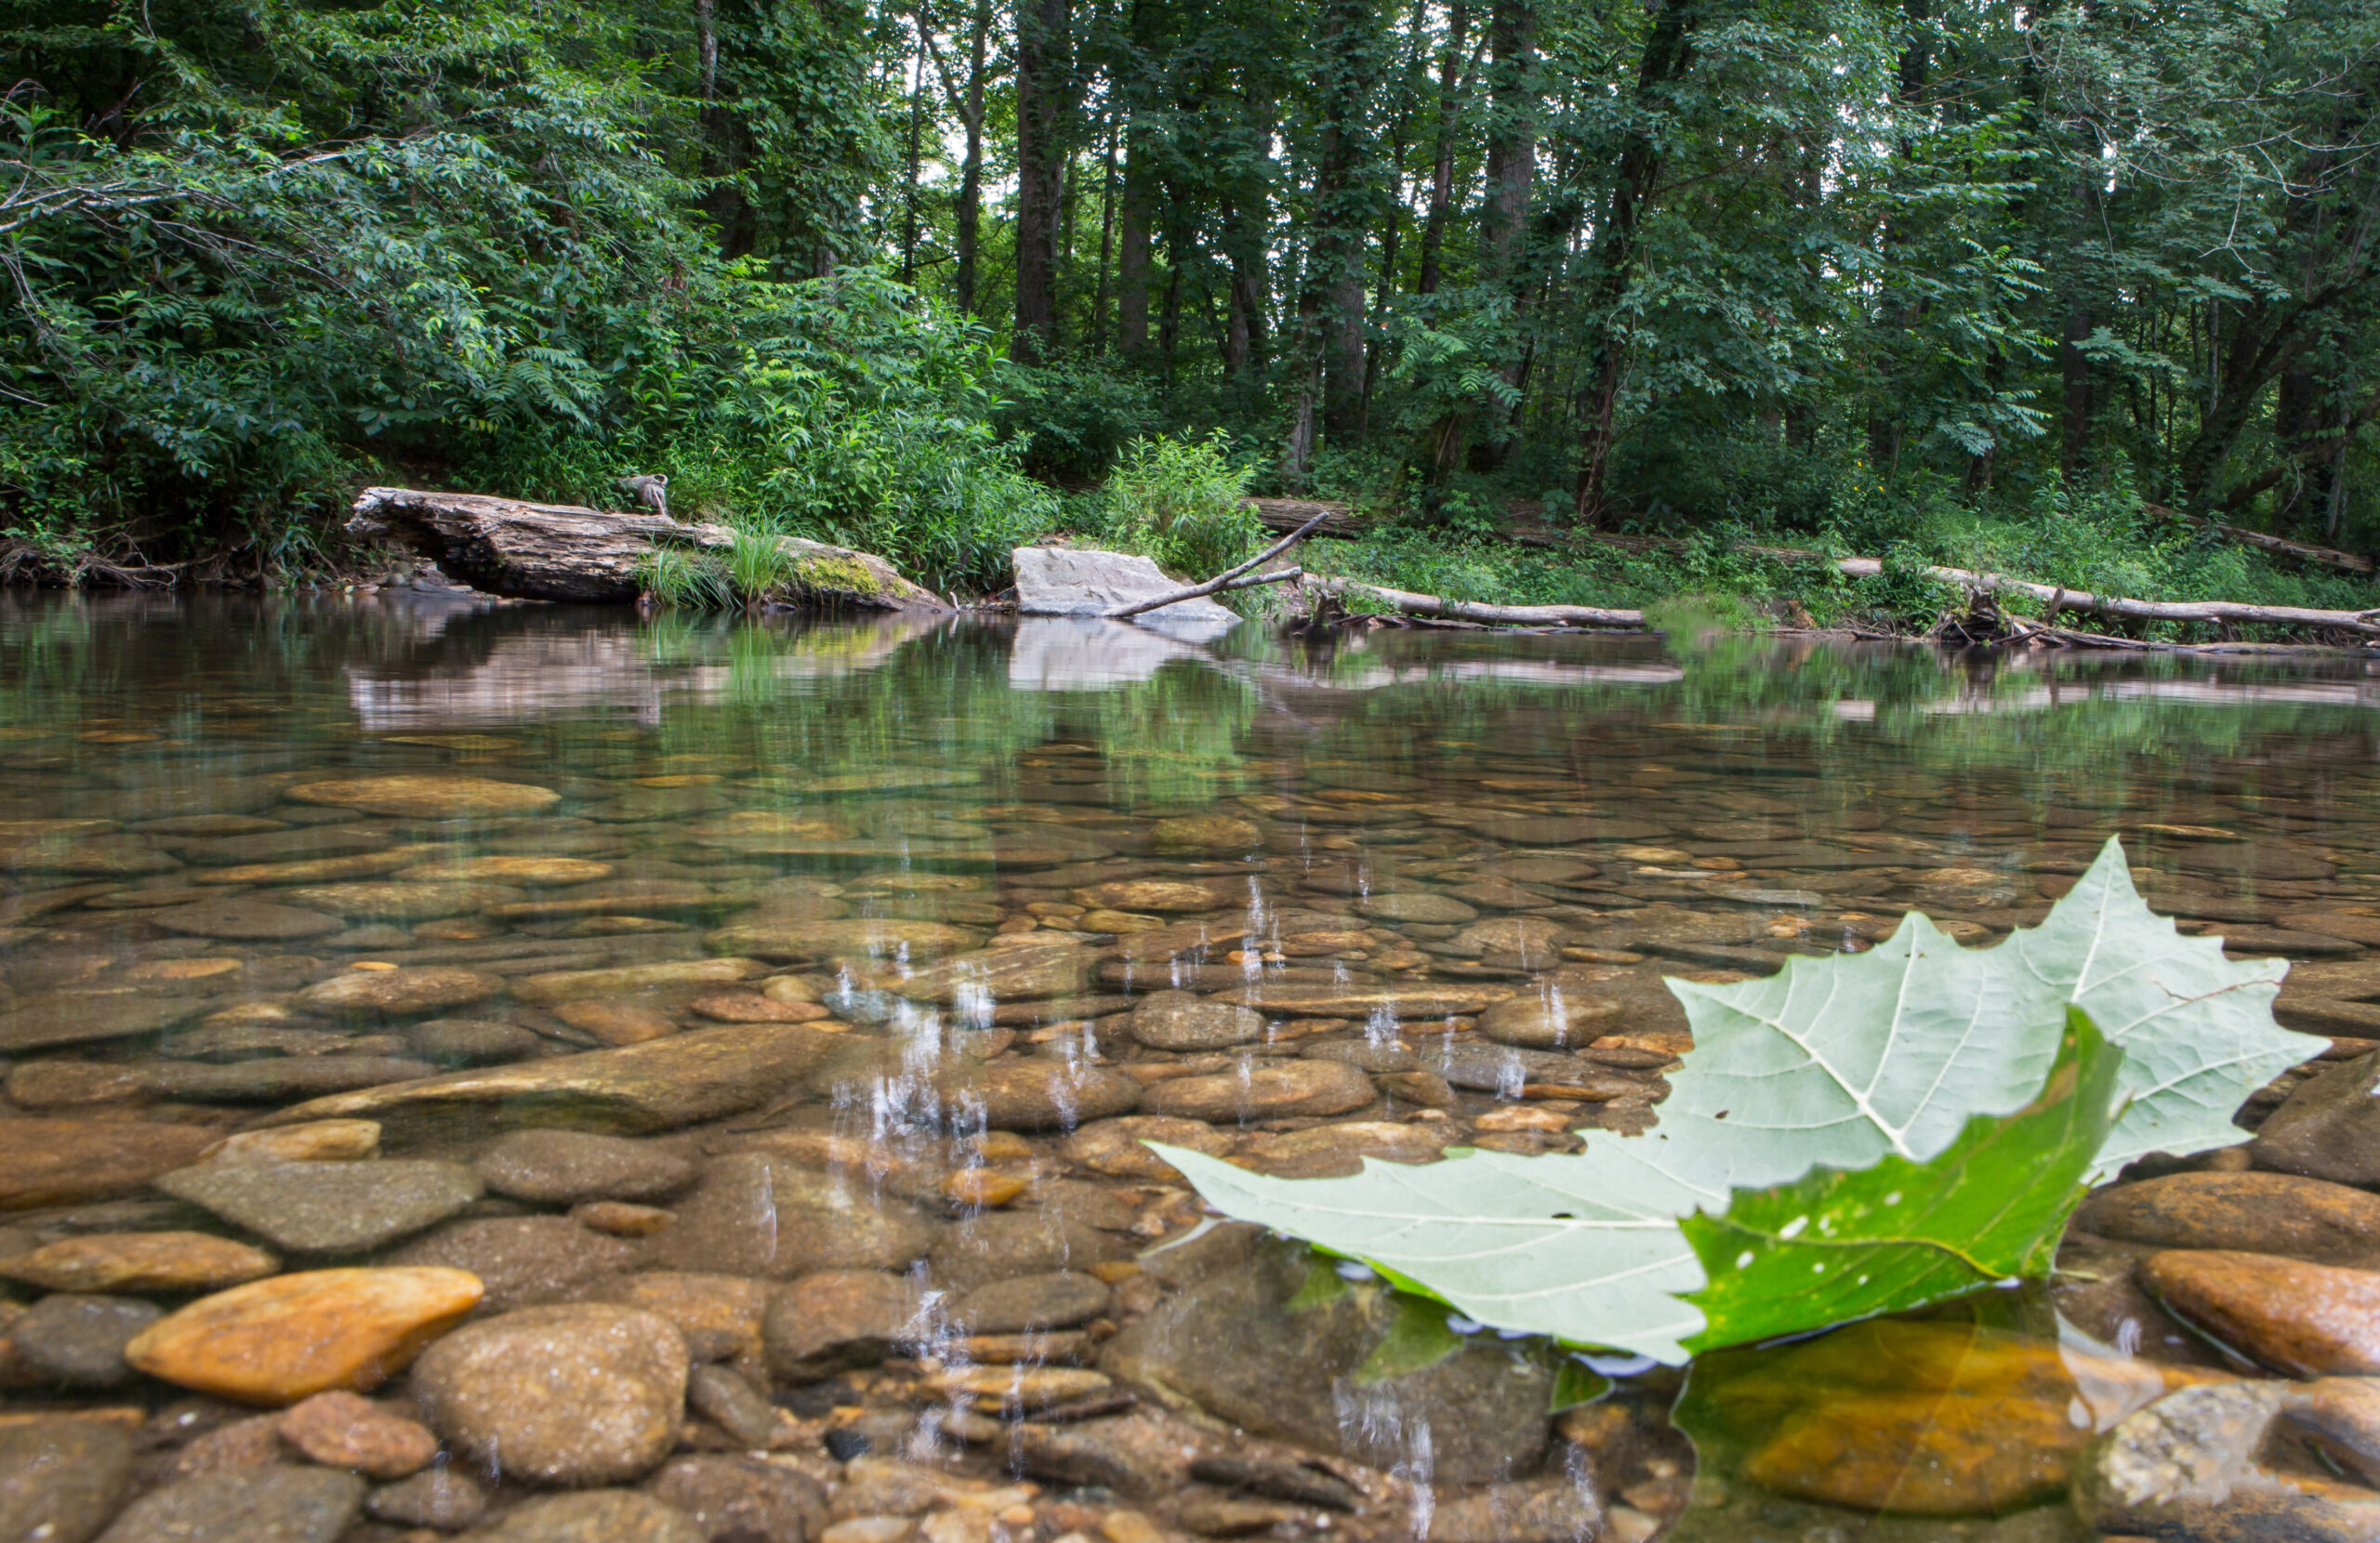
1979, 281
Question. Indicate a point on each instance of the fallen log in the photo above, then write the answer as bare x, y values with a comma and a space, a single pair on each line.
1412, 605
563, 552
2366, 622
1329, 518
2274, 545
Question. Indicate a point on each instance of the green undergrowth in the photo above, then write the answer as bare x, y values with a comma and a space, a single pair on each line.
1857, 1135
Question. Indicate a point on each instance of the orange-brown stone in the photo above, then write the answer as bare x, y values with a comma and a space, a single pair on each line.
278, 1341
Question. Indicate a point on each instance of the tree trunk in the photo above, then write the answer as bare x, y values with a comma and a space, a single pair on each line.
1107, 239
1512, 134
1433, 227
913, 154
1669, 52
2077, 395
970, 173
1331, 307
1043, 101
1133, 255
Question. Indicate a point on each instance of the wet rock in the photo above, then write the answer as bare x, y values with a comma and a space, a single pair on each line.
871, 937
1206, 836
2328, 1128
84, 1017
1530, 942
2344, 1412
1059, 1299
262, 1505
1229, 1339
1416, 906
2095, 1290
568, 985
752, 1007
2184, 1467
1334, 1150
586, 1394
729, 1400
1000, 1244
245, 919
322, 1140
61, 1479
343, 1429
1046, 1095
1506, 1070
2311, 1320
1264, 1090
242, 1443
106, 856
757, 1215
1017, 1386
442, 1498
617, 1020
139, 1261
1171, 895
442, 795
398, 992
1115, 1147
1418, 1002
328, 1208
719, 1315
1551, 1019
1552, 1510
2256, 1213
470, 1041
77, 1341
521, 1261
277, 1340
534, 871
271, 1080
699, 1075
597, 1516
393, 901
562, 1167
838, 1319
1017, 973
1183, 1021
734, 1498
282, 844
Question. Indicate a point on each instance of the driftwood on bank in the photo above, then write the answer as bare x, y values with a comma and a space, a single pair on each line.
1412, 605
562, 552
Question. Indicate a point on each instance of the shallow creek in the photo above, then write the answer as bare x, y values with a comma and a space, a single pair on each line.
542, 1075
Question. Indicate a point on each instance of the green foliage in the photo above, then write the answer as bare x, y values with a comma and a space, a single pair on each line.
1869, 1107
1181, 501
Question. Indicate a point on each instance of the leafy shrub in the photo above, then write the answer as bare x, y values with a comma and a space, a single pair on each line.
1182, 502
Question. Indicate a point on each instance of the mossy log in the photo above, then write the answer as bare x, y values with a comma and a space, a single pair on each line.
563, 552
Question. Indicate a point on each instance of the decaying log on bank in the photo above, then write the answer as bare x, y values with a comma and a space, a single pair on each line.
562, 552
1412, 605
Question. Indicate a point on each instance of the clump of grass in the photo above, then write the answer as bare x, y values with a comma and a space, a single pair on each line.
758, 565
686, 580
1182, 502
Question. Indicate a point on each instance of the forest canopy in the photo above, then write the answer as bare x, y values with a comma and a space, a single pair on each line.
907, 276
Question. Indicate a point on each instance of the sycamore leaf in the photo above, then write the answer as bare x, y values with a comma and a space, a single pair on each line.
1582, 1251
2196, 1028
1833, 1068
1832, 1246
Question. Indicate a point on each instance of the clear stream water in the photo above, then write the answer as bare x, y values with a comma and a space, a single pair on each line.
1686, 807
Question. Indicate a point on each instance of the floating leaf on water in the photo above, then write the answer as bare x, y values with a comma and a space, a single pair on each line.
1908, 1070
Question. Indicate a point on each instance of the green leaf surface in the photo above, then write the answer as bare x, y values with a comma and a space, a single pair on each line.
1893, 1061
1835, 1245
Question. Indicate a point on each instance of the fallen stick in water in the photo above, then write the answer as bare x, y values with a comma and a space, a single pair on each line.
2060, 599
1229, 578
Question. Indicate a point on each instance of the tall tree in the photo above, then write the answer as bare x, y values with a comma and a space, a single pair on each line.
1046, 95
